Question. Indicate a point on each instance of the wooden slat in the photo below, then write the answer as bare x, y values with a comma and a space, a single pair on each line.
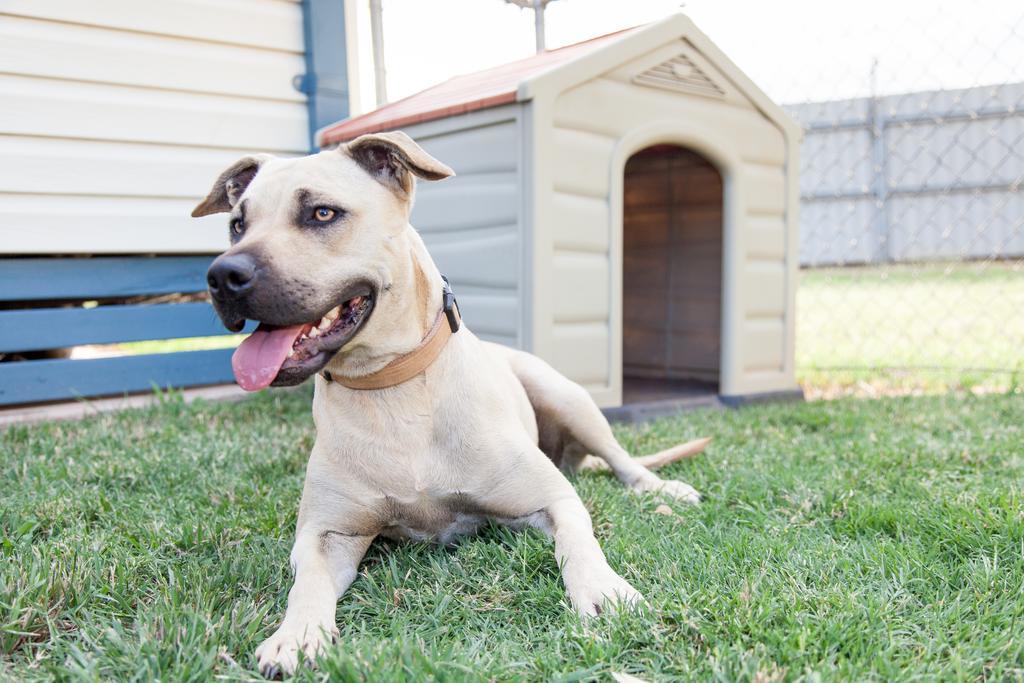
34, 224
35, 279
267, 23
49, 380
648, 228
113, 169
70, 109
52, 328
85, 53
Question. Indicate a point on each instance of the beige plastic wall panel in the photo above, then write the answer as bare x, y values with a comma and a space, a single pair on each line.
491, 314
48, 49
491, 148
269, 24
754, 382
764, 288
471, 222
37, 224
580, 287
461, 204
765, 188
764, 237
52, 166
678, 67
762, 344
581, 162
579, 223
485, 190
512, 341
613, 107
580, 352
65, 109
624, 107
485, 257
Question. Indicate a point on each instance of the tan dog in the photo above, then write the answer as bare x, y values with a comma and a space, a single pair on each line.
324, 257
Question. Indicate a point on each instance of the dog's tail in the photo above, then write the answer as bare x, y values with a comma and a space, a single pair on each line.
656, 460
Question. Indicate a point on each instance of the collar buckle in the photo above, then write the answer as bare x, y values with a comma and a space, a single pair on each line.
450, 306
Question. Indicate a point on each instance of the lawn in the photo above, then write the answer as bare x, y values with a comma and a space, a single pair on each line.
849, 539
922, 328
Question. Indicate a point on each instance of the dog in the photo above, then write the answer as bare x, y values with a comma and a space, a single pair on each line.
423, 431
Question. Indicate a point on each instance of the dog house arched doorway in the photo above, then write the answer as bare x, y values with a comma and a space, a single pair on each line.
671, 275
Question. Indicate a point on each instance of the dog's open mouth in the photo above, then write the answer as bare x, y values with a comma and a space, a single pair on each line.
283, 356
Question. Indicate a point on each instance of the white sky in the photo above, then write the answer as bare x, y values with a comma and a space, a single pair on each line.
796, 50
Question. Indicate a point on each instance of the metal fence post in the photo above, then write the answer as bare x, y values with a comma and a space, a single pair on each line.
882, 249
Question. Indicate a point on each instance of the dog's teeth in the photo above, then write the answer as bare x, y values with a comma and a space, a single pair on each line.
315, 332
333, 313
324, 324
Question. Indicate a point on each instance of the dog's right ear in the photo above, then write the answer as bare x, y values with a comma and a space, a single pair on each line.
393, 158
230, 185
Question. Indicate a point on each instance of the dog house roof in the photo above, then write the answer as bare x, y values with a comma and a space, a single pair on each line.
461, 94
522, 80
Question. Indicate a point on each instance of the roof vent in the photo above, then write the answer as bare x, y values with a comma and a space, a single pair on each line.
681, 74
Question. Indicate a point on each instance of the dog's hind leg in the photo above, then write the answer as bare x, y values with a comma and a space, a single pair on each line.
566, 407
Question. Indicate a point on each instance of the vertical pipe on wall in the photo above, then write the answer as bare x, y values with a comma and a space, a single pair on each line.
538, 24
377, 31
325, 82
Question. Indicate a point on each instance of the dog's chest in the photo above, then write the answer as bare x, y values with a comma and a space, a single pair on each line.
439, 519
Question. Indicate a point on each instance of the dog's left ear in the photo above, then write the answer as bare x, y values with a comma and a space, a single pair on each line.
230, 185
393, 158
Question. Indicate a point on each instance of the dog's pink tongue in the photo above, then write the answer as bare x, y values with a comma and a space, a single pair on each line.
259, 357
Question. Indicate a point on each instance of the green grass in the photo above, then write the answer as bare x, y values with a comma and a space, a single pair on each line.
227, 341
848, 540
927, 328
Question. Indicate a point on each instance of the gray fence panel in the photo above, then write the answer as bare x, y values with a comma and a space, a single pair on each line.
920, 176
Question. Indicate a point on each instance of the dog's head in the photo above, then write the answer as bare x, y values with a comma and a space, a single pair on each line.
312, 248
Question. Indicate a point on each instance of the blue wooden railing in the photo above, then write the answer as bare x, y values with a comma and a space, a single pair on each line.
56, 287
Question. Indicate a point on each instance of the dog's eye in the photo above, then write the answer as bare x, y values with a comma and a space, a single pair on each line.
323, 213
237, 227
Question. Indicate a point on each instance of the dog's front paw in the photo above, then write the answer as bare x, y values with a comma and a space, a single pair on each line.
279, 654
599, 590
679, 490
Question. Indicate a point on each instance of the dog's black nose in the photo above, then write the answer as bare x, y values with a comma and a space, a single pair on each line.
231, 276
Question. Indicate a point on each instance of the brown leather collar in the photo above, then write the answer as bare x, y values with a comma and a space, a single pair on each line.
409, 365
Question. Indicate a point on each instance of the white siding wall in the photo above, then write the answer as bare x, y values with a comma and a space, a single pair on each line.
118, 114
589, 123
471, 223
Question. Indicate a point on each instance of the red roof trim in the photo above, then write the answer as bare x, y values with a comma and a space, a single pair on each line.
460, 95
339, 133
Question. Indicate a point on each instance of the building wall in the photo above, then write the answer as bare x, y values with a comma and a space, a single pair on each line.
118, 114
471, 223
581, 142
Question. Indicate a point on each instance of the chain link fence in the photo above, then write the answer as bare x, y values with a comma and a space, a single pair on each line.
912, 214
